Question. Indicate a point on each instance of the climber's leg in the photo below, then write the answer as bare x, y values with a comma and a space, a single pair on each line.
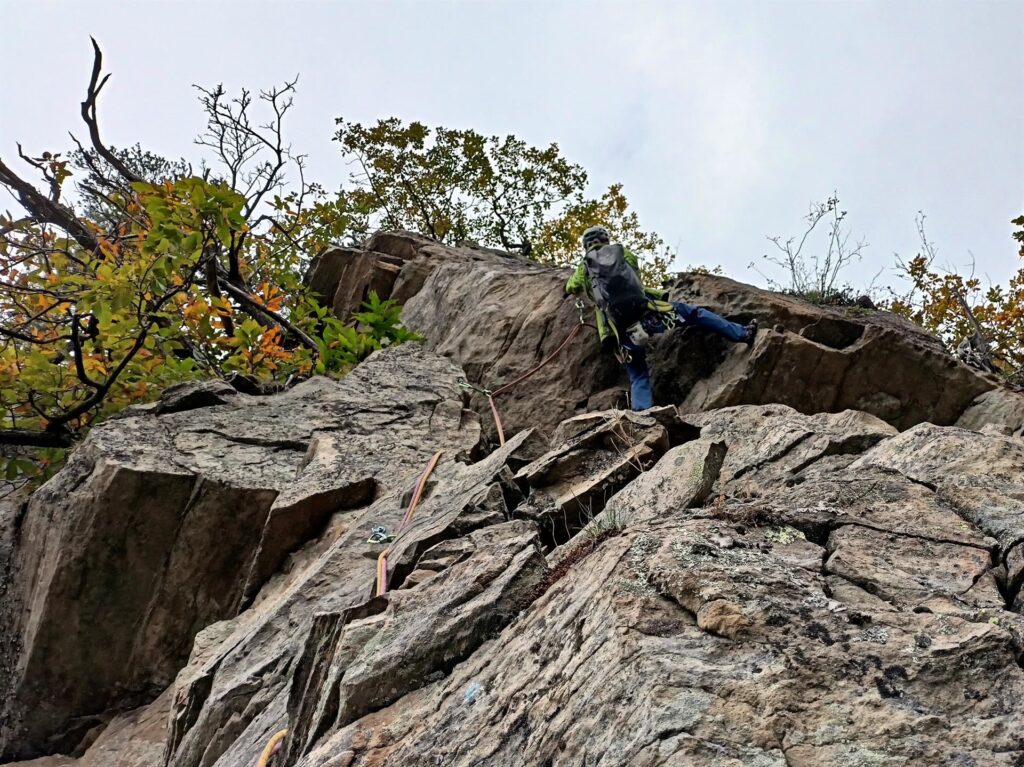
708, 320
640, 397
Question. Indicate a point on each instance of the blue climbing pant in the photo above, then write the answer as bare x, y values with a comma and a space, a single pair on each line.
693, 316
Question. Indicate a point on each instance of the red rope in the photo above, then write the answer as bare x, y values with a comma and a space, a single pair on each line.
523, 377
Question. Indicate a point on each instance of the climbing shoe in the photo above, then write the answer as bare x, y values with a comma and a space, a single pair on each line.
751, 328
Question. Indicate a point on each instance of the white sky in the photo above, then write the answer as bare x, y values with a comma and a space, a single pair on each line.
723, 119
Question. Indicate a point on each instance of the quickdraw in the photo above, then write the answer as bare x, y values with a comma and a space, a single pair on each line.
380, 534
417, 495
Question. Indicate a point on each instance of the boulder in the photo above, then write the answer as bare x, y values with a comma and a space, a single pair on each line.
998, 410
594, 456
813, 358
979, 476
343, 278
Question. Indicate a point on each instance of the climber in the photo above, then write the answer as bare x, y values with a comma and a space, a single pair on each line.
627, 312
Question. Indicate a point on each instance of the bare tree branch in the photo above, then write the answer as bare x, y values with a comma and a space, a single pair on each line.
254, 306
29, 438
89, 115
45, 210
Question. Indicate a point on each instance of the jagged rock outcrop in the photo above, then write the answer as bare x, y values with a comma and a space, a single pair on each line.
770, 569
818, 359
164, 522
497, 316
820, 608
355, 664
999, 410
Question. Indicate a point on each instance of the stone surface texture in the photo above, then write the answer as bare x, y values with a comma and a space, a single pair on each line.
810, 554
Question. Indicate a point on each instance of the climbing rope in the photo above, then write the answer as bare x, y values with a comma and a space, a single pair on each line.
417, 495
511, 384
272, 747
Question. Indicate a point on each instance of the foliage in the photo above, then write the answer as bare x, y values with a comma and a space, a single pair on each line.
557, 241
457, 185
96, 176
958, 307
378, 326
166, 282
843, 296
812, 270
87, 333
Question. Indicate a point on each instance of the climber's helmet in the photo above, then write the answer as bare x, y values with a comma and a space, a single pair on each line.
594, 237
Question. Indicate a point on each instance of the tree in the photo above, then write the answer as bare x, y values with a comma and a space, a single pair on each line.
165, 280
98, 176
457, 185
813, 270
557, 241
988, 322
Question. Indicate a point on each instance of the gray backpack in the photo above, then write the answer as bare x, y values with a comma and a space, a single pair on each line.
616, 286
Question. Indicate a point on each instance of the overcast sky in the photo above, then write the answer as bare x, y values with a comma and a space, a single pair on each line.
724, 120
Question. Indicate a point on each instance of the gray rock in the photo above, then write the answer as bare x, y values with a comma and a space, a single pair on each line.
371, 656
1000, 410
241, 669
499, 316
663, 647
162, 524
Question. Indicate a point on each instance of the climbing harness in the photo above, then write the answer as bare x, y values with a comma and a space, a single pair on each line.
272, 747
580, 307
421, 485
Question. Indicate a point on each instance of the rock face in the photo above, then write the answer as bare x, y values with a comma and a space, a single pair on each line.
1000, 411
820, 608
162, 524
498, 316
754, 573
817, 359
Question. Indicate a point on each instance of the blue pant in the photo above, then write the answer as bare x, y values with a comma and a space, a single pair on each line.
640, 375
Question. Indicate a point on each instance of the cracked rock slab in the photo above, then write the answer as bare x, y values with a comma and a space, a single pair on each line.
230, 697
158, 526
671, 645
369, 657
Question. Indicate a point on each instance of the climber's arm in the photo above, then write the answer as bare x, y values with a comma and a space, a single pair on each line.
578, 283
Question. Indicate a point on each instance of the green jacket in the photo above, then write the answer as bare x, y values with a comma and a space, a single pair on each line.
579, 282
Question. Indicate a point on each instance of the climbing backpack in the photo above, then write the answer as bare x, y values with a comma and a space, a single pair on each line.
616, 286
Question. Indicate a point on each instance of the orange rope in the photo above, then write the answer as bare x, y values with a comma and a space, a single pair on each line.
382, 572
497, 419
417, 495
523, 377
540, 364
271, 748
421, 485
